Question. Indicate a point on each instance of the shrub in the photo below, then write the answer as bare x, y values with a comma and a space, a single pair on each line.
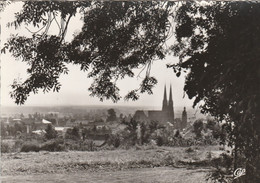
5, 148
18, 145
114, 140
159, 140
53, 145
72, 134
51, 133
86, 145
223, 169
30, 147
197, 128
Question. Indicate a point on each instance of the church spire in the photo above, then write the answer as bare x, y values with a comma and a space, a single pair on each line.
170, 99
170, 105
165, 94
164, 107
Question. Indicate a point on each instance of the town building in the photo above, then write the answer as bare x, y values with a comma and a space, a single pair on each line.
164, 116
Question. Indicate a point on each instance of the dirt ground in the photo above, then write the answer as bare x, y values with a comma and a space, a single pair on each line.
143, 175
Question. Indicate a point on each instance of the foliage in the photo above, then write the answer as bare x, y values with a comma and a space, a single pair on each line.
197, 128
111, 115
220, 133
73, 133
131, 131
210, 124
145, 133
5, 147
4, 131
219, 44
3, 4
114, 140
177, 134
116, 38
53, 145
30, 146
51, 133
159, 140
222, 171
80, 145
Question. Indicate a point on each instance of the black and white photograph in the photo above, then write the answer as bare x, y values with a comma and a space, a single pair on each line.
130, 91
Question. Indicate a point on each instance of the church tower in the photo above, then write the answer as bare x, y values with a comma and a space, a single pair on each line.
170, 106
184, 118
165, 105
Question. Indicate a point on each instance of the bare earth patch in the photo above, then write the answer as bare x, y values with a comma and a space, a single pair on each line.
148, 175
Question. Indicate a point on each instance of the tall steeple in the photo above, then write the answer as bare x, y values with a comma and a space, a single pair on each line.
170, 99
164, 107
170, 105
184, 118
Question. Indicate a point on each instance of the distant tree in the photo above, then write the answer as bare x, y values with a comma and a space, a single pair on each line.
121, 117
177, 134
144, 133
19, 128
94, 129
21, 115
219, 132
98, 119
3, 130
210, 124
111, 115
73, 133
30, 116
197, 128
51, 133
131, 128
154, 125
114, 139
159, 140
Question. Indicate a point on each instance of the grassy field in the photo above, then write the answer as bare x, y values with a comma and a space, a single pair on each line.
145, 164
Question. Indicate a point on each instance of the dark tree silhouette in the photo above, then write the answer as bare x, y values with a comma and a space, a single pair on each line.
219, 44
111, 115
197, 128
73, 133
51, 133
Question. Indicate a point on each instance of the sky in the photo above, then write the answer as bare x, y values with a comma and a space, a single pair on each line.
74, 90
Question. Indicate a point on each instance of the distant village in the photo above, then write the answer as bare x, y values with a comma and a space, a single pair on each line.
106, 128
97, 126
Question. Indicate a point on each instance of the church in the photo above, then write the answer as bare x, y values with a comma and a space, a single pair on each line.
163, 116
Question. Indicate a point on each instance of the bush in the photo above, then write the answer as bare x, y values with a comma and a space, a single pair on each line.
86, 145
197, 128
159, 141
51, 133
72, 133
5, 148
30, 147
114, 140
53, 145
223, 169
